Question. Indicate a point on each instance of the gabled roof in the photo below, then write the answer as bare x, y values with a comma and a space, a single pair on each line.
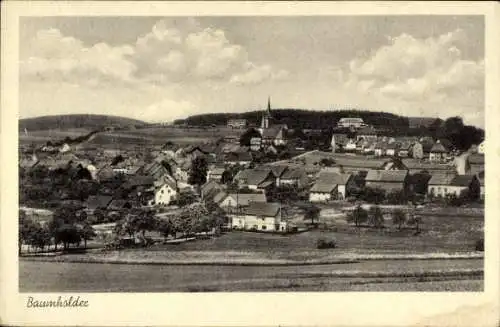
266, 209
244, 199
271, 133
366, 131
293, 173
322, 187
238, 156
476, 158
393, 146
330, 177
253, 176
210, 187
386, 176
140, 180
438, 148
217, 171
278, 170
441, 179
118, 204
98, 201
220, 196
462, 180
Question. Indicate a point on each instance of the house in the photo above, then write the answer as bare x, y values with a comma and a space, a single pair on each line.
438, 152
405, 149
388, 180
369, 147
235, 202
278, 171
416, 166
237, 123
294, 177
476, 163
350, 146
417, 150
153, 169
215, 174
238, 158
330, 186
274, 135
97, 202
366, 133
259, 216
210, 189
392, 149
262, 178
338, 141
256, 143
427, 144
446, 184
348, 122
380, 149
165, 191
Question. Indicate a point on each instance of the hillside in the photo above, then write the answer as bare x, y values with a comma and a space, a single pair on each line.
303, 119
90, 122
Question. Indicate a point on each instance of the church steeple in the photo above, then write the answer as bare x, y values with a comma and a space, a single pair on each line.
267, 115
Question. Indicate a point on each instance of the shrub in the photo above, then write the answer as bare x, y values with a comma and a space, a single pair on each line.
323, 244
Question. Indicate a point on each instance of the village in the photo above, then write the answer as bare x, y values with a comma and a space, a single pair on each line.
270, 185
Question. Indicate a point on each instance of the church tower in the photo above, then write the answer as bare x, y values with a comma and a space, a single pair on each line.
267, 115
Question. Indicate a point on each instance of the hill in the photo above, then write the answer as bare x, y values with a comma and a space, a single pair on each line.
90, 122
302, 119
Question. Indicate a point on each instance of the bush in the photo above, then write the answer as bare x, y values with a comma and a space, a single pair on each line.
480, 245
323, 244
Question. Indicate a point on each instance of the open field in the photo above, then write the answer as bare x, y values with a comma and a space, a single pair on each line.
144, 136
67, 277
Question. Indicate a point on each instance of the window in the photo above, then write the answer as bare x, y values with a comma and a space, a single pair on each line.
161, 192
263, 227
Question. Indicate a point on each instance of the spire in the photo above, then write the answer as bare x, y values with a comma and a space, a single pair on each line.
269, 105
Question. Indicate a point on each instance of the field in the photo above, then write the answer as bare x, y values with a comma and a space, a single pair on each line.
67, 277
145, 136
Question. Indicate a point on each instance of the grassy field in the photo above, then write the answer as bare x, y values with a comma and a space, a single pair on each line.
67, 277
145, 136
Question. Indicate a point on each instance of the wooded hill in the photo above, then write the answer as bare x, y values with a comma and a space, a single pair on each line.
300, 118
91, 122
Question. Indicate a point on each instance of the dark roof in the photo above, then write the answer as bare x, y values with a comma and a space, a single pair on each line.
278, 170
118, 204
366, 131
253, 176
140, 180
267, 209
217, 171
386, 175
239, 156
98, 201
210, 187
438, 148
462, 180
327, 181
244, 199
441, 179
271, 132
476, 158
293, 173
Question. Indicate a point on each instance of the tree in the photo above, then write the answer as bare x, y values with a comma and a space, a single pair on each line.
186, 198
198, 175
87, 233
40, 237
415, 220
373, 195
358, 216
311, 212
398, 218
420, 181
375, 216
166, 228
248, 135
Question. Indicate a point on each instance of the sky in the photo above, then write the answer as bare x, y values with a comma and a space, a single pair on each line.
158, 69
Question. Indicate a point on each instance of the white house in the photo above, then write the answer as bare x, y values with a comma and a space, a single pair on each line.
444, 184
165, 191
347, 122
232, 201
330, 186
259, 216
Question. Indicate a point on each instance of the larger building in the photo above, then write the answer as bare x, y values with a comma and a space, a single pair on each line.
348, 122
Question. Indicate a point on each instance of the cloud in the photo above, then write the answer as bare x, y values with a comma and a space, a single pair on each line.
255, 74
421, 71
167, 110
53, 56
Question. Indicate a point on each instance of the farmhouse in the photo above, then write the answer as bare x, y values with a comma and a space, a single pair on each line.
388, 180
259, 216
330, 186
262, 178
338, 141
278, 171
392, 149
380, 148
238, 158
210, 189
256, 143
366, 133
442, 185
234, 202
405, 149
97, 202
165, 191
294, 177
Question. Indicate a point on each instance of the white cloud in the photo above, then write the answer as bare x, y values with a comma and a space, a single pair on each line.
167, 110
255, 74
53, 56
421, 72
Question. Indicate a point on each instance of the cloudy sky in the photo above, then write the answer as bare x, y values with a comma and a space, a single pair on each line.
161, 68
